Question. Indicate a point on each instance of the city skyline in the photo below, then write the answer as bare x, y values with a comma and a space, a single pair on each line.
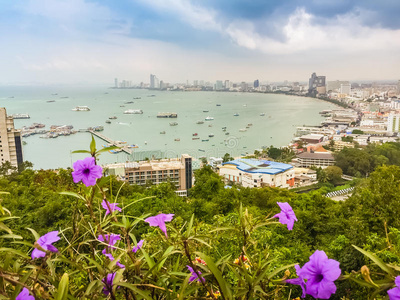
50, 42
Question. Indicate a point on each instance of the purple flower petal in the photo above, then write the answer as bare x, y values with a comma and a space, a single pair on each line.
138, 246
113, 206
287, 215
320, 273
24, 295
109, 239
45, 241
108, 283
194, 275
120, 265
86, 171
159, 221
394, 294
298, 281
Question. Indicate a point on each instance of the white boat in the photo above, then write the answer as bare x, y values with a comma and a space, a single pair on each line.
173, 123
81, 108
262, 114
209, 118
211, 135
242, 129
21, 116
236, 114
133, 111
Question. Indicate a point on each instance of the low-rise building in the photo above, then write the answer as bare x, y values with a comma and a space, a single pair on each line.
258, 173
216, 162
312, 138
178, 171
317, 159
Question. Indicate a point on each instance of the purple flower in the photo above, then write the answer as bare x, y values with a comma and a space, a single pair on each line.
113, 206
394, 294
286, 216
111, 258
87, 171
138, 246
194, 275
24, 295
46, 242
109, 239
108, 283
320, 273
159, 221
298, 281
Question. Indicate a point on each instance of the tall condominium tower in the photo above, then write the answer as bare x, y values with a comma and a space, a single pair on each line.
10, 140
316, 84
152, 81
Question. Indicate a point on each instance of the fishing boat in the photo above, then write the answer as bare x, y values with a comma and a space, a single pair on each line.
226, 133
50, 101
200, 122
115, 151
173, 123
133, 146
242, 130
211, 135
218, 104
177, 140
108, 121
162, 132
262, 114
195, 138
236, 115
133, 111
195, 134
205, 110
250, 124
112, 118
209, 119
128, 102
202, 150
205, 140
81, 108
137, 97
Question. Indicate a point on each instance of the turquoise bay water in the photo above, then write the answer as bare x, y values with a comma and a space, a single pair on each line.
282, 115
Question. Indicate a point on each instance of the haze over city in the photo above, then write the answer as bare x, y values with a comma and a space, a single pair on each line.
77, 41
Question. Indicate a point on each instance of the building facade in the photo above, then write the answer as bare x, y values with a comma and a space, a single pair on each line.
309, 159
393, 123
316, 84
10, 140
177, 170
258, 173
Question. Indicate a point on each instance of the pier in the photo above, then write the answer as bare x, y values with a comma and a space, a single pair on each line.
110, 141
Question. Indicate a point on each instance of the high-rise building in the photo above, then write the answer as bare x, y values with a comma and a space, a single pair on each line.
256, 83
152, 81
116, 83
345, 89
316, 85
227, 85
10, 140
393, 123
218, 85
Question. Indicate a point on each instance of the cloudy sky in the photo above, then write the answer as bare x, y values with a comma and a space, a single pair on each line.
94, 41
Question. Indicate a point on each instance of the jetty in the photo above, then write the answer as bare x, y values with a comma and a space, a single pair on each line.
110, 141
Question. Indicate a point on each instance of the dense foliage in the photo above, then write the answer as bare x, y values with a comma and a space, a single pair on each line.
216, 224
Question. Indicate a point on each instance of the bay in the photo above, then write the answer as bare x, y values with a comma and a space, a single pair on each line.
282, 115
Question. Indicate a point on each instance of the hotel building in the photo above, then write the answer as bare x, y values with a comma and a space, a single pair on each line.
10, 140
258, 173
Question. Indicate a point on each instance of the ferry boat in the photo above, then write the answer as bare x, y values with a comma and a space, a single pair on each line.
113, 118
236, 115
81, 108
173, 123
133, 112
162, 132
199, 122
209, 118
167, 115
21, 116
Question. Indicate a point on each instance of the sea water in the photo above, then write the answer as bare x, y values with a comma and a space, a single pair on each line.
282, 114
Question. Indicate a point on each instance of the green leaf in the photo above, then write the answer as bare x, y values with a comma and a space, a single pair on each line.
362, 282
130, 286
35, 234
276, 271
377, 261
17, 252
80, 151
92, 286
62, 291
11, 236
92, 146
189, 229
73, 195
223, 284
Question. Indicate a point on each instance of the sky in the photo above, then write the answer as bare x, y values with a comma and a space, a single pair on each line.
95, 41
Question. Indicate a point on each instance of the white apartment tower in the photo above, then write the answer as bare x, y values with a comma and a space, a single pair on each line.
393, 123
10, 140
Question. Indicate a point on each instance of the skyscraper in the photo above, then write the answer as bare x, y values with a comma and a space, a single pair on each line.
256, 83
116, 83
152, 81
316, 85
10, 140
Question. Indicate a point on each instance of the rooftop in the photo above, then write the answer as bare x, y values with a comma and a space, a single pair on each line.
259, 166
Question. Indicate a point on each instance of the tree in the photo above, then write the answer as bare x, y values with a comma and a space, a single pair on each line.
6, 168
227, 157
357, 131
274, 153
334, 174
